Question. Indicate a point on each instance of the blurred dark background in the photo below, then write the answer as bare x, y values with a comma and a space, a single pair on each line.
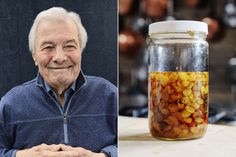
134, 18
16, 18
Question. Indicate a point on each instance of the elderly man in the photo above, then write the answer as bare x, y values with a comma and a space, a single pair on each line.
62, 112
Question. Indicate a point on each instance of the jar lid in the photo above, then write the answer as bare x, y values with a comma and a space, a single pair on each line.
178, 26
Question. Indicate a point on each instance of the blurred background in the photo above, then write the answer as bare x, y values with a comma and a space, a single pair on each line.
134, 18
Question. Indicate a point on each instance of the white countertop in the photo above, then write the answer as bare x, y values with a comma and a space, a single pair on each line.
136, 141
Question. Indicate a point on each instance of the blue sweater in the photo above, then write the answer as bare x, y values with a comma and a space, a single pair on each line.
30, 116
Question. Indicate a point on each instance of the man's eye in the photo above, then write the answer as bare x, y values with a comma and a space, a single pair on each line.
48, 48
70, 46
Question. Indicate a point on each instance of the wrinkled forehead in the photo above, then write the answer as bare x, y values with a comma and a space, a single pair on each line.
56, 28
47, 23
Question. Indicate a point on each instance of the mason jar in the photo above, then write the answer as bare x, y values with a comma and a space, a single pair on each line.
178, 83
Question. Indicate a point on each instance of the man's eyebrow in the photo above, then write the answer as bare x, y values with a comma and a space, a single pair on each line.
71, 41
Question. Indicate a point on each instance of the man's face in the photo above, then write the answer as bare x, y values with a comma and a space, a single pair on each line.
58, 52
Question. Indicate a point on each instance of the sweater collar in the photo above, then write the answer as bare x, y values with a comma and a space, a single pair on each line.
79, 82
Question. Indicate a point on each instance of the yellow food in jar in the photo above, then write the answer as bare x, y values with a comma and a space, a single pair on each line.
181, 102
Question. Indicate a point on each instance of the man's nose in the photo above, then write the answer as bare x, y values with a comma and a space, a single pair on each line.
59, 56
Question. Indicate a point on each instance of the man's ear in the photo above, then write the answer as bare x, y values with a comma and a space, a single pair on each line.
34, 58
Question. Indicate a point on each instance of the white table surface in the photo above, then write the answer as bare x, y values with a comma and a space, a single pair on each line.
136, 141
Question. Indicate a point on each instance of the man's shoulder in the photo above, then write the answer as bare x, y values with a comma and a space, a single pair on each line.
99, 83
24, 86
98, 80
21, 89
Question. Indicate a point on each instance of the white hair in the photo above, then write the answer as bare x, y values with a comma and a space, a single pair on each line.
57, 13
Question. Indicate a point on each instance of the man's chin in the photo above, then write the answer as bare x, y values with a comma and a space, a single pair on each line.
61, 80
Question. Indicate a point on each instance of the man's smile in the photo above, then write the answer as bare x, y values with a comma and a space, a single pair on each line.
60, 67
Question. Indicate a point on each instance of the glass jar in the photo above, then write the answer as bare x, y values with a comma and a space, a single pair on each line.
178, 80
